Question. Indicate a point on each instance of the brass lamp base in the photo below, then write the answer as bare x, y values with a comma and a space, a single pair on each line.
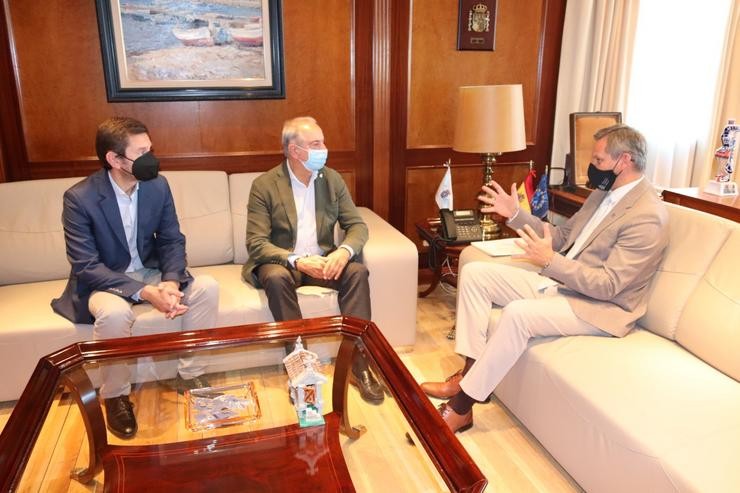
489, 228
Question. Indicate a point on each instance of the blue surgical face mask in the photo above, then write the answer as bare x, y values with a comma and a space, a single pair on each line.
316, 159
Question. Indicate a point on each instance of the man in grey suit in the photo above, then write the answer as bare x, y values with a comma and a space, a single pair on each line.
594, 277
292, 212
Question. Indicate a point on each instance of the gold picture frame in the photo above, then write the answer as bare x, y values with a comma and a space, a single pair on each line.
583, 126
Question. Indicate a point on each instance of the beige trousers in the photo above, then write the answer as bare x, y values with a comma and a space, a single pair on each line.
114, 317
529, 310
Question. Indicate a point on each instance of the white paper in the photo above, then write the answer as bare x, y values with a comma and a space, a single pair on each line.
499, 248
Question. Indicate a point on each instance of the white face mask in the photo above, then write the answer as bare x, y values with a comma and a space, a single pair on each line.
316, 158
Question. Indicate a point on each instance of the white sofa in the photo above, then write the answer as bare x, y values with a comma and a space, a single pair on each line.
211, 207
658, 410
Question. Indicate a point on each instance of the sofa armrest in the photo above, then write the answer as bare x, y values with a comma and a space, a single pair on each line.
393, 263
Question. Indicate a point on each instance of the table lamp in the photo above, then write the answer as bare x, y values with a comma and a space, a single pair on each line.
490, 121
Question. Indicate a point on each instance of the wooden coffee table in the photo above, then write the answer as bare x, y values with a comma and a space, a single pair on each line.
361, 446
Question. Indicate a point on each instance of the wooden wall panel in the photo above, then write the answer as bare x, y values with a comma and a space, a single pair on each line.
62, 95
438, 69
427, 70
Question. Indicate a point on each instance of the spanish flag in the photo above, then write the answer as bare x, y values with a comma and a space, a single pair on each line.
523, 199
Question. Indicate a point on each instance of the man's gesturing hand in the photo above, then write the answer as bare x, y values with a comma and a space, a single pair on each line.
498, 200
536, 250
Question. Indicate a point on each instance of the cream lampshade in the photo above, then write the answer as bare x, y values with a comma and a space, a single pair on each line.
490, 121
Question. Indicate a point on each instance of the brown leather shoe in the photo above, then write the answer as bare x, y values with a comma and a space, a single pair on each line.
456, 422
443, 390
119, 413
370, 389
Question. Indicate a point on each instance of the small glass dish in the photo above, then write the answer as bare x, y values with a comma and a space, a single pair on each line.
213, 407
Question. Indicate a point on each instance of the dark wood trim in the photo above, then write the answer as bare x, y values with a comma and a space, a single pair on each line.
549, 66
12, 147
362, 75
399, 47
727, 207
342, 161
382, 23
566, 201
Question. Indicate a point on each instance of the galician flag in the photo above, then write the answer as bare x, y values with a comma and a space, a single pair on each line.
444, 190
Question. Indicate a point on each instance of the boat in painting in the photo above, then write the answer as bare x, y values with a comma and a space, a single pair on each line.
200, 36
247, 36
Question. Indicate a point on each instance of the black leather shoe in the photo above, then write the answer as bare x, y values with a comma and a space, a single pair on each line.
183, 384
119, 414
370, 389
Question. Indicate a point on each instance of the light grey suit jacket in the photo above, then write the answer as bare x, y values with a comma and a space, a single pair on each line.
606, 283
272, 219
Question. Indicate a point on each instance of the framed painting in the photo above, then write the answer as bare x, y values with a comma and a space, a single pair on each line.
165, 50
583, 126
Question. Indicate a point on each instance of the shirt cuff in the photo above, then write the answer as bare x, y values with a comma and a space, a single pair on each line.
137, 295
349, 249
292, 258
513, 216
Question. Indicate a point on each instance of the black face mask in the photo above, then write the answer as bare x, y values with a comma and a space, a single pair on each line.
601, 179
145, 167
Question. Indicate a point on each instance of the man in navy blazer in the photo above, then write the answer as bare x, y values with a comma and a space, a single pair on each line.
124, 243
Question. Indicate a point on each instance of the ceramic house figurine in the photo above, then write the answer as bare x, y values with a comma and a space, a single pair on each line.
304, 384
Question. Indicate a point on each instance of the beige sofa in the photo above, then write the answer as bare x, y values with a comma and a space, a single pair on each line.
658, 410
211, 207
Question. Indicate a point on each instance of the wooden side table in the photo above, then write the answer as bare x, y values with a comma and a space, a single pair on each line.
440, 254
727, 207
443, 256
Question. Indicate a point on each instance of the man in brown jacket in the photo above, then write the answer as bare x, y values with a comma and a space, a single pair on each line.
595, 273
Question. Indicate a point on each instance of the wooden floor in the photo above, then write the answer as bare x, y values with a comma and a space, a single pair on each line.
511, 459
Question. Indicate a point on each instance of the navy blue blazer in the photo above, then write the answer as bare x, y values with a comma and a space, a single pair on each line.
97, 247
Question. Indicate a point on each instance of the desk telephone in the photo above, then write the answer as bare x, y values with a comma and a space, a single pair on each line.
461, 226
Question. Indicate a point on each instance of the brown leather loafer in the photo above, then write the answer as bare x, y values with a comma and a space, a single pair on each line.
119, 413
370, 389
183, 384
456, 422
443, 390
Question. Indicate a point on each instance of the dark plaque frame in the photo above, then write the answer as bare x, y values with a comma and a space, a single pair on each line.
476, 25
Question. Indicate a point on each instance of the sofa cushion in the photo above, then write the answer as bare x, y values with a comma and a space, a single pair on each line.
603, 406
695, 239
202, 203
30, 329
710, 325
240, 184
31, 237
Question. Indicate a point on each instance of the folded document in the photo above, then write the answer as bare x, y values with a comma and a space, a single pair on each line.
499, 248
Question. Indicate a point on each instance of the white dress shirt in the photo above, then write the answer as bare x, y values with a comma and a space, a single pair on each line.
306, 243
128, 206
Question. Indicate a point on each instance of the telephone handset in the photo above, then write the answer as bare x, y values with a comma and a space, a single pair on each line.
460, 226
